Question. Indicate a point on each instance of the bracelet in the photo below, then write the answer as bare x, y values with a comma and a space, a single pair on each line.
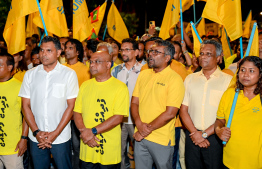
24, 137
35, 132
185, 52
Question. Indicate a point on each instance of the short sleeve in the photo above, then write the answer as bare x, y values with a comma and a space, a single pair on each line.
221, 107
25, 87
72, 86
79, 99
136, 89
175, 93
186, 97
121, 102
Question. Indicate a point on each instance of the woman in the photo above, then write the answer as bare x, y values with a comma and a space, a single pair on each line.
244, 138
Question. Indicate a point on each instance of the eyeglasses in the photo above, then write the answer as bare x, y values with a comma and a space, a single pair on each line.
127, 50
155, 52
96, 62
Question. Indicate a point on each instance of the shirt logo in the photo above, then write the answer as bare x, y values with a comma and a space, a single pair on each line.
255, 109
162, 84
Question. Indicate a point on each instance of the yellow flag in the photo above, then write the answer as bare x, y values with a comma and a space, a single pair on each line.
201, 28
197, 43
97, 17
31, 28
54, 17
254, 50
188, 28
247, 29
171, 18
186, 4
225, 44
14, 31
115, 25
229, 60
227, 13
81, 23
202, 0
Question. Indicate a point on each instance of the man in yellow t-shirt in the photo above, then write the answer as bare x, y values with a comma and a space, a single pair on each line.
74, 56
156, 100
12, 145
100, 107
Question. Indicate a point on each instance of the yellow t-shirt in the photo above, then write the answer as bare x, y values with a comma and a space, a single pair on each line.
10, 116
82, 71
98, 101
19, 75
244, 148
156, 91
118, 61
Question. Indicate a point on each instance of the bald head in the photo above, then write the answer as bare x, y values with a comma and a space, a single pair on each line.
100, 64
101, 54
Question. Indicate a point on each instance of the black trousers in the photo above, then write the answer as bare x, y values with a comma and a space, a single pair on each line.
88, 165
204, 158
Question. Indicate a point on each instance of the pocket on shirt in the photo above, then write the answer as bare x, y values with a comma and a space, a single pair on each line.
214, 98
58, 90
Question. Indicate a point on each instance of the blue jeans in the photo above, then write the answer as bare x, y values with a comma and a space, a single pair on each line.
61, 154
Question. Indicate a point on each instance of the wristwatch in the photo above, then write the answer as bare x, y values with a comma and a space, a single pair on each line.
35, 132
94, 131
204, 134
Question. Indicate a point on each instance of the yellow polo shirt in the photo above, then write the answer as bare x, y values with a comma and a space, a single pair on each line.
10, 116
202, 96
156, 91
244, 148
82, 71
19, 75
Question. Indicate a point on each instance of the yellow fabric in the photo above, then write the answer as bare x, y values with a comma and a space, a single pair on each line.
202, 96
176, 66
188, 28
101, 14
227, 13
54, 17
114, 65
247, 26
62, 60
254, 50
244, 148
228, 71
31, 28
158, 89
82, 72
225, 45
81, 23
229, 60
19, 75
118, 61
14, 31
97, 102
11, 117
186, 4
171, 18
197, 43
201, 27
115, 24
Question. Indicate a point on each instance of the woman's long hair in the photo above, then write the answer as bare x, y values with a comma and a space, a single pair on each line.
258, 63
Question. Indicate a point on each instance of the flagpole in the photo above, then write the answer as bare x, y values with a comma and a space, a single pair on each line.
104, 33
43, 21
251, 39
41, 39
198, 37
228, 42
198, 20
181, 21
194, 9
241, 47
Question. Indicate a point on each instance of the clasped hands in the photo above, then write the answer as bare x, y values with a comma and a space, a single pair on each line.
46, 139
144, 130
198, 140
88, 137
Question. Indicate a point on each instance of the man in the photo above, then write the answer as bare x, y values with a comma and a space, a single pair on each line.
198, 111
48, 96
74, 56
35, 56
141, 54
154, 106
100, 107
127, 72
107, 47
62, 58
13, 138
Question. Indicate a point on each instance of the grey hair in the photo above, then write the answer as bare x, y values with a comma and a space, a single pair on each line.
217, 45
108, 45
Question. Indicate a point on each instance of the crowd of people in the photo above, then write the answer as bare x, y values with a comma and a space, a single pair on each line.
70, 104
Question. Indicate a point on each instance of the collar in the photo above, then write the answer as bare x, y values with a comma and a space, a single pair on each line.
57, 67
216, 73
164, 71
137, 66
